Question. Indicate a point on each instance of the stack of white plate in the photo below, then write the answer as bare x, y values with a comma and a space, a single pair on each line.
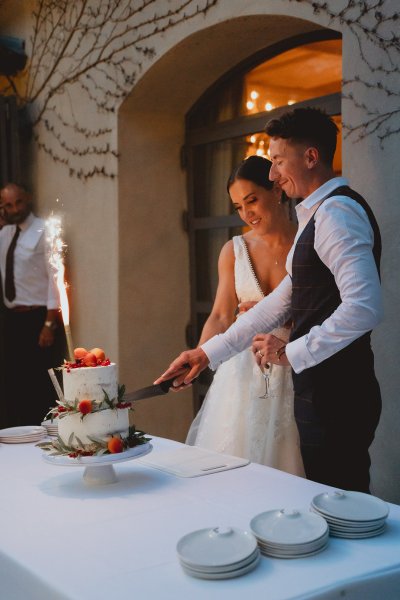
288, 533
351, 514
22, 435
218, 553
51, 427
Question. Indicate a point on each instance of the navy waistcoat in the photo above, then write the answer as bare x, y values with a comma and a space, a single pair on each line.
315, 295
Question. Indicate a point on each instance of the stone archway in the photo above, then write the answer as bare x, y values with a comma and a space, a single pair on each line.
153, 248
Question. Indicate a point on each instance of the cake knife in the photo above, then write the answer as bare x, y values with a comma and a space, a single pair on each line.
151, 390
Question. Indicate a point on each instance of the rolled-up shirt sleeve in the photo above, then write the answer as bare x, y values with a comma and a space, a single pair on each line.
271, 312
344, 241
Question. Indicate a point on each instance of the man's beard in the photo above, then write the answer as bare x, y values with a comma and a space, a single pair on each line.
19, 218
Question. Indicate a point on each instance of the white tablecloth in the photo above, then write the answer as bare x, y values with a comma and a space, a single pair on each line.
63, 539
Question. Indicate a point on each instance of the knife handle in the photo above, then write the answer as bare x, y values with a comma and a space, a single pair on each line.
165, 385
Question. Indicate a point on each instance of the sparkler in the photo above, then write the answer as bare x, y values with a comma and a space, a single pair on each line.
56, 258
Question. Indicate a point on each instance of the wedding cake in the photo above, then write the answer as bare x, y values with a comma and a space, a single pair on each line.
93, 419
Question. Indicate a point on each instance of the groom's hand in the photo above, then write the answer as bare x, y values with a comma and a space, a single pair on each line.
185, 368
268, 348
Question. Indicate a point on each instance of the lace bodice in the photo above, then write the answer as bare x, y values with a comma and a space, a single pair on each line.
246, 283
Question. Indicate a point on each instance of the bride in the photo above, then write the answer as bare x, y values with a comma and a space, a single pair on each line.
244, 413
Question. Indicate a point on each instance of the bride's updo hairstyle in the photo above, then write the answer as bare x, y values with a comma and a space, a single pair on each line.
254, 168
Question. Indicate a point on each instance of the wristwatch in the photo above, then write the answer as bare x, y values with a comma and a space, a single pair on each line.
50, 324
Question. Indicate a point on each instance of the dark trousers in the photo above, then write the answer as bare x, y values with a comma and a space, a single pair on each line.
29, 391
337, 411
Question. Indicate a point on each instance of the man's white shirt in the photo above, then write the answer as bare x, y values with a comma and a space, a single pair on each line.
33, 275
343, 241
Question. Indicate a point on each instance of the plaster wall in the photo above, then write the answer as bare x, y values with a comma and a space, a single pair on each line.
373, 171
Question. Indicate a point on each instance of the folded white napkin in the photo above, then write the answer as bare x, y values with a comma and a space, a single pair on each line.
191, 461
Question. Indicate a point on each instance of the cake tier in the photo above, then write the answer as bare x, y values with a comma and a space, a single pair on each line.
89, 382
102, 424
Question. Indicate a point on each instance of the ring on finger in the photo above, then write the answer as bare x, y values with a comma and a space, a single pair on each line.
260, 354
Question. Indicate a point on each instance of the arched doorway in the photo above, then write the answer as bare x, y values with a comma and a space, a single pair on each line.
226, 125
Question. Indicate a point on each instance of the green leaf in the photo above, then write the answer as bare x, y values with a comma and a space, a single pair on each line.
107, 400
81, 444
121, 392
96, 440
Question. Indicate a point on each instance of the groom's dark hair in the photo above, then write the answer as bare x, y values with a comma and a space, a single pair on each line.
308, 125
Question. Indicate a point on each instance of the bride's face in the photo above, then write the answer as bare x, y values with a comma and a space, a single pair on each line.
255, 205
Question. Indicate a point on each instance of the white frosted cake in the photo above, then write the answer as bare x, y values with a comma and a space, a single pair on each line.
92, 417
90, 382
93, 384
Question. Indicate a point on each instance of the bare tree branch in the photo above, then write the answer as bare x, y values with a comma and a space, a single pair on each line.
96, 48
375, 26
98, 45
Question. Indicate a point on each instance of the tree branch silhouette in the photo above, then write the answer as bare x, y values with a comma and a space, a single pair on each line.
97, 47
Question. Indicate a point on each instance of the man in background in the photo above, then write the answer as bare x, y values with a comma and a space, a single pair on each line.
31, 306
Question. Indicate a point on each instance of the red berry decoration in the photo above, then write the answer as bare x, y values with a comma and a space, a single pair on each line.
85, 406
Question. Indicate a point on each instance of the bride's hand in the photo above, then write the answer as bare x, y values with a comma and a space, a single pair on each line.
185, 368
245, 306
268, 348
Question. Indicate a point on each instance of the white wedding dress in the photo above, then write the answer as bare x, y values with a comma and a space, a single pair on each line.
234, 419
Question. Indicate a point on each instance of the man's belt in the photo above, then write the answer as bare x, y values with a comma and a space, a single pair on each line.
24, 308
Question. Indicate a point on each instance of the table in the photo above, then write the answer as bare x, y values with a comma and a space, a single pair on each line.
61, 539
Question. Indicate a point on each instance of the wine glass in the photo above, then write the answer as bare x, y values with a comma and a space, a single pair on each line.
265, 373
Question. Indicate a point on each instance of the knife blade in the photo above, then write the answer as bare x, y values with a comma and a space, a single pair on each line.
151, 390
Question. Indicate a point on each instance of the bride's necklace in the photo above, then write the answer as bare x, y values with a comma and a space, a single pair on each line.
275, 261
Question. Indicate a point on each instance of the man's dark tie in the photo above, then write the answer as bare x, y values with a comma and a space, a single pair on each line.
10, 285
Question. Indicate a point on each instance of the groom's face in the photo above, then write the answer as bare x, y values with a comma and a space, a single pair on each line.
289, 167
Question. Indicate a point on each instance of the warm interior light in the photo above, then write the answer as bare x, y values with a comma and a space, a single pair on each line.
249, 105
268, 106
253, 139
290, 102
254, 95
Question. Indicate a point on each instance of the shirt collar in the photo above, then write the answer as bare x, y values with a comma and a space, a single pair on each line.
27, 223
322, 192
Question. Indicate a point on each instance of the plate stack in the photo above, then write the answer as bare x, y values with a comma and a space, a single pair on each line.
290, 533
22, 435
218, 553
351, 514
51, 427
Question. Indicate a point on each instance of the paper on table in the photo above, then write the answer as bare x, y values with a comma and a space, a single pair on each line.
191, 461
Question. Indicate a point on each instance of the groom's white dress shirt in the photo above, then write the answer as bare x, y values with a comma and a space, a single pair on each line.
343, 241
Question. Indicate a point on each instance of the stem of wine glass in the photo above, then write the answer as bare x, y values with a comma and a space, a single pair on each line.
265, 374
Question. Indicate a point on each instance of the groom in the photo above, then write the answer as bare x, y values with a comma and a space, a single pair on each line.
332, 295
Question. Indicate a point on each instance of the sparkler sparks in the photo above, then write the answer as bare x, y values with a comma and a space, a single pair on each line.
56, 259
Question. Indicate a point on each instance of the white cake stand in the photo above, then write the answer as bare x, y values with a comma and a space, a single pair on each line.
99, 470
